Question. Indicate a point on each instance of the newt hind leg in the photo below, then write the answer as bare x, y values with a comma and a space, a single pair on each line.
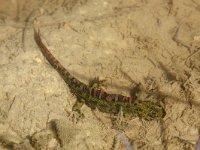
77, 106
76, 109
96, 83
76, 113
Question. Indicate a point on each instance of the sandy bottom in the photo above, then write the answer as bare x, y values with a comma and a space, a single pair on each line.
155, 43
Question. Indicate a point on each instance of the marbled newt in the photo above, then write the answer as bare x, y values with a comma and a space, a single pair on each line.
95, 97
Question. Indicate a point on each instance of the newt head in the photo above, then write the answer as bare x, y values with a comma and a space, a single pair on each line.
149, 110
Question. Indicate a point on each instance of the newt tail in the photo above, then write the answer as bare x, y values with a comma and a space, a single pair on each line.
100, 99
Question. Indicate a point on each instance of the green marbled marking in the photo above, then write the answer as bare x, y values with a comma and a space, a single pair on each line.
147, 110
